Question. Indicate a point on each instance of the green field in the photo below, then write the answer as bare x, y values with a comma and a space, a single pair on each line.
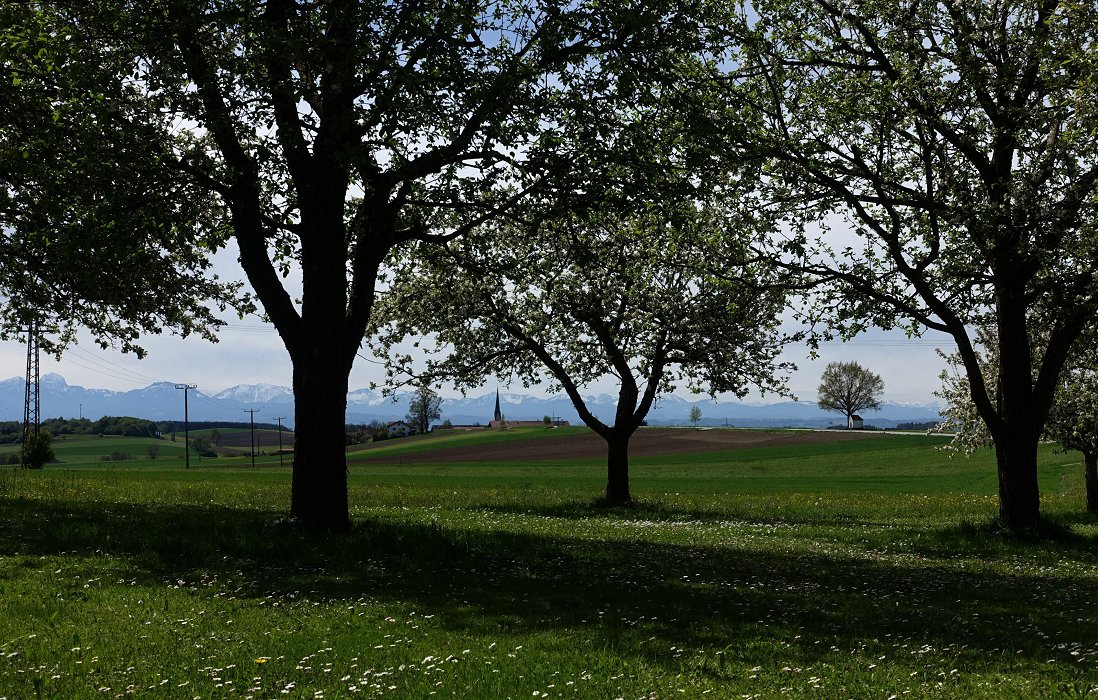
81, 451
845, 570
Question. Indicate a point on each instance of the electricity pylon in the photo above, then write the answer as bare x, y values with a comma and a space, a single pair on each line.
32, 401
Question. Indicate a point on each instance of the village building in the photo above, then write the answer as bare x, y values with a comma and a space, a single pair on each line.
498, 420
399, 428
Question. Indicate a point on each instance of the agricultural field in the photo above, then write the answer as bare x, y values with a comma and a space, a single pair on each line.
755, 564
74, 450
81, 451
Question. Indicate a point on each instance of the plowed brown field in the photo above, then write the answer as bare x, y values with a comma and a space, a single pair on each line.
647, 442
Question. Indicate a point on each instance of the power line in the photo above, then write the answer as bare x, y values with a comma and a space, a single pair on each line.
88, 357
247, 328
106, 373
882, 343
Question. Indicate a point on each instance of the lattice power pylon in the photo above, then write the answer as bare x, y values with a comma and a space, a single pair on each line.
32, 403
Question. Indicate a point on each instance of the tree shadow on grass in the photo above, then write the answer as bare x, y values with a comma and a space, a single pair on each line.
980, 539
633, 595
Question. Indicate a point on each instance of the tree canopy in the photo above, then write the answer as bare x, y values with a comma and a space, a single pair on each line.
665, 297
329, 133
425, 406
955, 142
94, 231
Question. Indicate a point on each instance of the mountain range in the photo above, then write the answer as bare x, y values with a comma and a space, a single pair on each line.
162, 401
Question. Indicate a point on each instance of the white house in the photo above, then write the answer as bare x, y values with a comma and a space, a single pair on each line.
855, 423
399, 428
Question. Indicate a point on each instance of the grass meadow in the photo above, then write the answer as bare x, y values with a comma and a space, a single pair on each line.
862, 569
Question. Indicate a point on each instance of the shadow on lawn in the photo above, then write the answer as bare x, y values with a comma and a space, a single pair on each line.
623, 593
980, 539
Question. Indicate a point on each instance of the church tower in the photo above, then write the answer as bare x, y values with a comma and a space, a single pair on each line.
498, 415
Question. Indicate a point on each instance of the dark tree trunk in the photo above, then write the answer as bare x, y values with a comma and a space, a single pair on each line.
1021, 410
1090, 478
319, 495
617, 467
1019, 496
322, 359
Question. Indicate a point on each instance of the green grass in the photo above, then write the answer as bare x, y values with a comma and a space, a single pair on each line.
83, 451
863, 570
88, 449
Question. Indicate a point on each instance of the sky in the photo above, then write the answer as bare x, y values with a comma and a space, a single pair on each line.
250, 352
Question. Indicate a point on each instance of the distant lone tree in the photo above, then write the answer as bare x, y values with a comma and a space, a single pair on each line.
695, 415
847, 387
426, 406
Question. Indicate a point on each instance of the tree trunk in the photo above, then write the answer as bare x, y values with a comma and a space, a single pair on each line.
1090, 477
1022, 411
319, 496
617, 468
1019, 496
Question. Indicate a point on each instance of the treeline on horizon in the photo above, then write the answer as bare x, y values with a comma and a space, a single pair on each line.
125, 426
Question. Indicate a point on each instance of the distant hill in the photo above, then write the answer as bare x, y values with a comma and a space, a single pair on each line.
162, 401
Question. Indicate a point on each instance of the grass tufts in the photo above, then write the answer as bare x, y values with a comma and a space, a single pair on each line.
500, 580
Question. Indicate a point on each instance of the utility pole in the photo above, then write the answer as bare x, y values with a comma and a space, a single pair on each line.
32, 398
186, 424
280, 419
251, 417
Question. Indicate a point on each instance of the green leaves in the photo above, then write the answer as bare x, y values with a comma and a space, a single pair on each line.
647, 299
848, 388
96, 231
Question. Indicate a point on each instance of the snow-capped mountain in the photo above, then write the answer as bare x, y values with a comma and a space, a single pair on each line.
162, 401
256, 394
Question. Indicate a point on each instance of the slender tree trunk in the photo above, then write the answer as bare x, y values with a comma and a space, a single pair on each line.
1019, 496
319, 495
617, 468
1090, 477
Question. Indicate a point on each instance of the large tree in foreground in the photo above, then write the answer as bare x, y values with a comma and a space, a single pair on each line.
334, 131
665, 297
1072, 421
956, 141
94, 231
847, 387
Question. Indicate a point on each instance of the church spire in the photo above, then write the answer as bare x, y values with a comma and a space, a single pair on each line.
498, 416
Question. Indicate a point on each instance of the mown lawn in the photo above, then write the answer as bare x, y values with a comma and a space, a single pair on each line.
860, 570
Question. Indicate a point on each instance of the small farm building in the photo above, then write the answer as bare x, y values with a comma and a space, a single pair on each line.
400, 429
